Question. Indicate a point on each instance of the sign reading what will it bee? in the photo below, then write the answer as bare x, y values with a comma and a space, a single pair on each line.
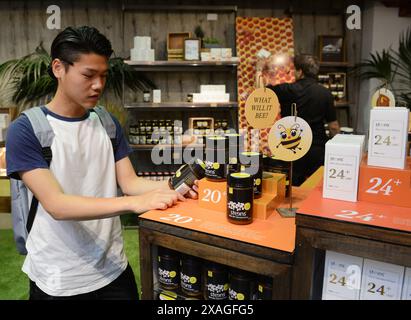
290, 138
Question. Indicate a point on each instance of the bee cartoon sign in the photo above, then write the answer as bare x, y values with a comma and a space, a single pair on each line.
261, 108
290, 138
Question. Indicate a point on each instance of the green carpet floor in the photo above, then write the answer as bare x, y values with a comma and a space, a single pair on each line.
14, 283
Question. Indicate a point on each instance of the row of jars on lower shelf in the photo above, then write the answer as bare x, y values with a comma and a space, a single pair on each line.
155, 176
169, 131
187, 277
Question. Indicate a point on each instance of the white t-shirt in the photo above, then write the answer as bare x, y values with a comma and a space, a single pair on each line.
68, 258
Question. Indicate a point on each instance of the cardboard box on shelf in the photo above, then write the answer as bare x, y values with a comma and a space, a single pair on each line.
381, 281
342, 276
156, 96
211, 97
388, 137
142, 49
341, 168
212, 88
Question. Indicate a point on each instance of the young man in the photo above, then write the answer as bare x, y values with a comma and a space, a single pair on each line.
75, 247
315, 105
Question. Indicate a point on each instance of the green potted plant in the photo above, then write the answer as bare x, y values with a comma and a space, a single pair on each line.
199, 32
392, 68
211, 42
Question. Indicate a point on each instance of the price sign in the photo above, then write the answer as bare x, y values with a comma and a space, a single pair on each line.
385, 185
379, 186
176, 218
342, 276
212, 195
381, 281
386, 139
341, 172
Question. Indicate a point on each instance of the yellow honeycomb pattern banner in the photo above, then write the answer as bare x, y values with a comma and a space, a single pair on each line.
274, 35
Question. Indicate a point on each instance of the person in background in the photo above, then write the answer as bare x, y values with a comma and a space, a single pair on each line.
315, 104
75, 246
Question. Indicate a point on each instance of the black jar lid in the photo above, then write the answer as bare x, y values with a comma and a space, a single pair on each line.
198, 168
188, 259
241, 274
240, 180
251, 158
277, 163
166, 252
215, 141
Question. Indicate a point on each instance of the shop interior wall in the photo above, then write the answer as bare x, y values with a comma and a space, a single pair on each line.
23, 25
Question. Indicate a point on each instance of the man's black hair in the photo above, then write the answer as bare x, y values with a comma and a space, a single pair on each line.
73, 41
308, 64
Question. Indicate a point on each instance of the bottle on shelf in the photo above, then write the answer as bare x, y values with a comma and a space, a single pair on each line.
216, 281
168, 268
240, 198
190, 275
242, 285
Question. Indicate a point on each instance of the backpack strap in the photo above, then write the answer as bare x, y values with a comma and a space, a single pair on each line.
108, 124
45, 135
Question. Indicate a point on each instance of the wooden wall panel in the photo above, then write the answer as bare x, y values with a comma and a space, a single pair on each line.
23, 25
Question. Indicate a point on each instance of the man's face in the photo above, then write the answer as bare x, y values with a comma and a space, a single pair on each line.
84, 80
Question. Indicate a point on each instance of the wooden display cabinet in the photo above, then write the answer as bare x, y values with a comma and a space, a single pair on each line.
366, 234
256, 259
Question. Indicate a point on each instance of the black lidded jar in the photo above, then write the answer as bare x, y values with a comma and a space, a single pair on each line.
252, 163
216, 281
168, 268
216, 158
183, 180
279, 166
242, 285
240, 198
236, 144
190, 275
264, 288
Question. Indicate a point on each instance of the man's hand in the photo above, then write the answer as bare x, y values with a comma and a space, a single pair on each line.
156, 199
193, 193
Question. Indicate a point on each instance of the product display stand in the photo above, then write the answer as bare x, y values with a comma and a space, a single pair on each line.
290, 212
264, 247
362, 229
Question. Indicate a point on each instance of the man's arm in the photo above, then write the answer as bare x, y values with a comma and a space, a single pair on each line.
63, 206
130, 184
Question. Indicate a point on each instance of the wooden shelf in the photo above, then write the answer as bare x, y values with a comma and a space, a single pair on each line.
151, 146
193, 8
342, 104
336, 64
182, 65
181, 105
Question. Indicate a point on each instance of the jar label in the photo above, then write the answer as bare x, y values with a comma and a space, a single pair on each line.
214, 170
191, 283
240, 204
216, 285
168, 272
257, 177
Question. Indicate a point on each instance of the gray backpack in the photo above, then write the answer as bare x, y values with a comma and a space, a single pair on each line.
22, 215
